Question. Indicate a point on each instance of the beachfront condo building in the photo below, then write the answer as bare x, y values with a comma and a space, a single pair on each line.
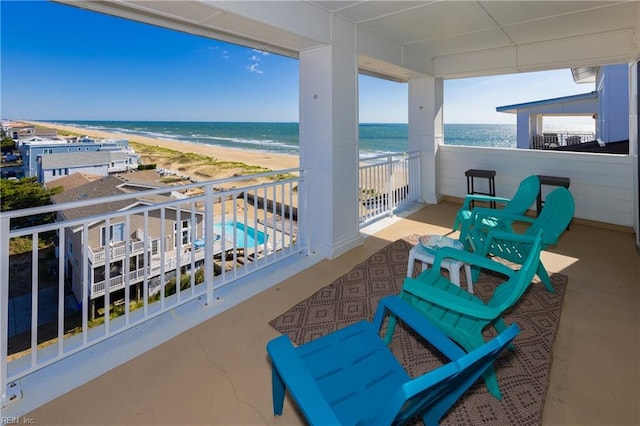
34, 147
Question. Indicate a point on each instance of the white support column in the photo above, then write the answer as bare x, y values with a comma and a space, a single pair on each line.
329, 147
426, 130
634, 145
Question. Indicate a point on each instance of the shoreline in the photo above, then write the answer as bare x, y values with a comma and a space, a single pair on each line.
268, 160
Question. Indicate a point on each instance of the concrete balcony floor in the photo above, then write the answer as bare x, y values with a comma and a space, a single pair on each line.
218, 372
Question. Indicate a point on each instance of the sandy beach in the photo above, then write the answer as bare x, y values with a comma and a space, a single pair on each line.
271, 161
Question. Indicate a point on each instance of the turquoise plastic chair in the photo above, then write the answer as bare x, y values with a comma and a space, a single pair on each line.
350, 377
554, 218
458, 313
524, 197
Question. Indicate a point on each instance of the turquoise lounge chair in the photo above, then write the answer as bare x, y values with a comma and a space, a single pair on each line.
524, 197
554, 218
350, 377
458, 313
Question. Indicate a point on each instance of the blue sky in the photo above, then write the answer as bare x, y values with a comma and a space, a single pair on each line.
61, 62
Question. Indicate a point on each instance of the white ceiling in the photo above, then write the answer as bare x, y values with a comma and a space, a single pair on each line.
446, 37
438, 29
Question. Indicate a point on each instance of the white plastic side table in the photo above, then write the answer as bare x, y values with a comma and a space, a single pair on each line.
453, 266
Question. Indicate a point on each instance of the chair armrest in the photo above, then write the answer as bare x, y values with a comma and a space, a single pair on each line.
417, 322
470, 258
485, 198
446, 300
302, 385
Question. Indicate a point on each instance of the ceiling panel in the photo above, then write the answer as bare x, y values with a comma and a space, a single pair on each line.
438, 20
332, 6
255, 30
510, 12
575, 24
190, 10
365, 11
479, 40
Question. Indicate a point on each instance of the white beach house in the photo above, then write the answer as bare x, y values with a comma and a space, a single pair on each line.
109, 247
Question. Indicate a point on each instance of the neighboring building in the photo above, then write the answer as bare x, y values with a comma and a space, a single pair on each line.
612, 119
608, 105
17, 130
53, 166
34, 147
115, 239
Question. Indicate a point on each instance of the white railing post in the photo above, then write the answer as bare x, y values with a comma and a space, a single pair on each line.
4, 308
208, 242
390, 201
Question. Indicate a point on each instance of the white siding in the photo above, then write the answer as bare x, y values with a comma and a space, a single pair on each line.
45, 176
602, 185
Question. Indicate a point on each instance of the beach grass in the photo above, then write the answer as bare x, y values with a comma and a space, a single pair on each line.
198, 164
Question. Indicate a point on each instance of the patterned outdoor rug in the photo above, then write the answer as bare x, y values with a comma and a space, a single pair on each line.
523, 376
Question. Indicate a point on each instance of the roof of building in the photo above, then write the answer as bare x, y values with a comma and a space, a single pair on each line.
104, 187
584, 74
118, 155
39, 141
149, 178
73, 180
74, 159
548, 102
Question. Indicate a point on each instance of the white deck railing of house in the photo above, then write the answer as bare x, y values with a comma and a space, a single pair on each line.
555, 140
99, 254
138, 275
264, 229
386, 183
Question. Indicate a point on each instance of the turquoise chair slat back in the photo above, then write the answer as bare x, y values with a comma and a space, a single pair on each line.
556, 215
510, 291
423, 395
525, 196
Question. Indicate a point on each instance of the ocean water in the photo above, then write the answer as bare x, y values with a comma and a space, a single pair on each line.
283, 137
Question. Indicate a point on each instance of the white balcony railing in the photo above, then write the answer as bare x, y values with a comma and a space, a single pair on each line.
386, 183
555, 140
138, 275
98, 255
51, 307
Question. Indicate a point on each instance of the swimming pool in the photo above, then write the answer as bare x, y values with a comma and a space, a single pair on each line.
253, 237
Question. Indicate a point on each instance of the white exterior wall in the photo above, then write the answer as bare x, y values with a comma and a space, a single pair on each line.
602, 185
123, 165
45, 176
613, 94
